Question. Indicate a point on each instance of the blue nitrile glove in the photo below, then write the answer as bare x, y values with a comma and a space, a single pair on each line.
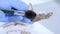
2, 17
14, 5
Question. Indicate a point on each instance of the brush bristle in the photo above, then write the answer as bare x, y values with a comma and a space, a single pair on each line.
30, 14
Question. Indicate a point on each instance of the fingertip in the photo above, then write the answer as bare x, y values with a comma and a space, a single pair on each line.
20, 18
26, 20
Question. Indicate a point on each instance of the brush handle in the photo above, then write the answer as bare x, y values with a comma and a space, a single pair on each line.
29, 13
13, 12
8, 11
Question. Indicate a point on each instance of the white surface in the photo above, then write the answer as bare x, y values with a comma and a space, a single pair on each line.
53, 23
36, 28
36, 1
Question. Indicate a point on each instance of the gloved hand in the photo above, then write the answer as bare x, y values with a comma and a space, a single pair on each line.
13, 5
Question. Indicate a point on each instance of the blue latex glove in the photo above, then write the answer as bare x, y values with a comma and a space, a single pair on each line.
13, 5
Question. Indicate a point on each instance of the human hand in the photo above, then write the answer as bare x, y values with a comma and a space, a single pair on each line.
14, 5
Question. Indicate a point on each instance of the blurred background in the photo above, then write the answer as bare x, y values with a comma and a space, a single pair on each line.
45, 6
